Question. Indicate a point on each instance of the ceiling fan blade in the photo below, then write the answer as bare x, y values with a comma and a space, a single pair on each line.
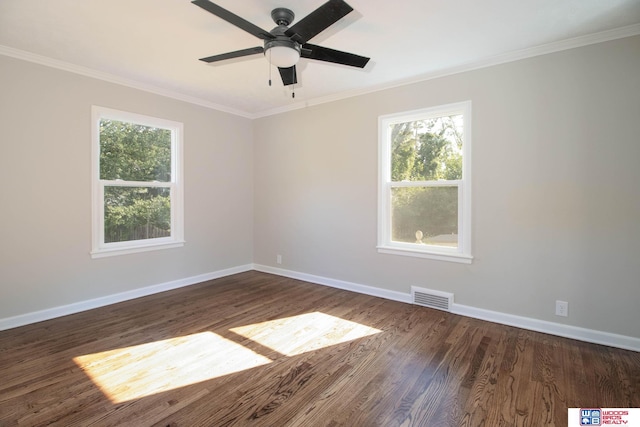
318, 20
233, 19
320, 53
288, 75
235, 54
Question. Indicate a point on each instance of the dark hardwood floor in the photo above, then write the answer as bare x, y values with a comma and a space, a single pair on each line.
255, 349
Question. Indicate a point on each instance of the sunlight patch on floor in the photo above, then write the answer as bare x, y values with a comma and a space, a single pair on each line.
295, 335
138, 371
133, 372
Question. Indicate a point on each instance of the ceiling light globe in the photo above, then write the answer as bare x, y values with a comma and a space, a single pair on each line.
282, 56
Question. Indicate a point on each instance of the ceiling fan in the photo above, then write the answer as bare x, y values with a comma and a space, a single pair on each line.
284, 45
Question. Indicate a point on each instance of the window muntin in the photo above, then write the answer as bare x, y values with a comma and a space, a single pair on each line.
137, 183
424, 188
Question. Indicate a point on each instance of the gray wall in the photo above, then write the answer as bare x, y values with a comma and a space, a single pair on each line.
556, 188
45, 214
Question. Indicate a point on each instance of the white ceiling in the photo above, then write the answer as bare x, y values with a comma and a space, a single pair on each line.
155, 44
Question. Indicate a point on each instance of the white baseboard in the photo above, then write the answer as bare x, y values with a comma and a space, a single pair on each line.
552, 328
558, 329
51, 313
340, 284
567, 331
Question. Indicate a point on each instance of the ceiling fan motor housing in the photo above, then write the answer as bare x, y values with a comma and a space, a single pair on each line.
282, 16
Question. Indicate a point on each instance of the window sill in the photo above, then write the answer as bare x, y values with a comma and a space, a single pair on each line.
440, 256
115, 251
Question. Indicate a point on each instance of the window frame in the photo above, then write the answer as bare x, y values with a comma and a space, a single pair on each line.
175, 185
461, 254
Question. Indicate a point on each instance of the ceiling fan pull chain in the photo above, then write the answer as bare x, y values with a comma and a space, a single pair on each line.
293, 91
270, 67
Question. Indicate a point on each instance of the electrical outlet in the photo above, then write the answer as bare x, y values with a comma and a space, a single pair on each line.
562, 308
279, 259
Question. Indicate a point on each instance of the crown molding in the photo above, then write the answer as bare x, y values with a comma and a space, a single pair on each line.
112, 78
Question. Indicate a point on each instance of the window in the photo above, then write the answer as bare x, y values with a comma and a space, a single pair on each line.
137, 183
424, 201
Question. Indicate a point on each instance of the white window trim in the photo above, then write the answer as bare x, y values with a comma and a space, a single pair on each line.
101, 249
461, 254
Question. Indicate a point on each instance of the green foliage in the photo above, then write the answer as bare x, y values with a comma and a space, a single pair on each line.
403, 151
426, 150
131, 152
453, 170
135, 213
134, 152
432, 210
431, 158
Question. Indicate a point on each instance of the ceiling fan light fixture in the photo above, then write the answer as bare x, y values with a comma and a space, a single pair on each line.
282, 53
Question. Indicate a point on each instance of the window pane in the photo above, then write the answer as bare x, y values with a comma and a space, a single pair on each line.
427, 150
133, 152
426, 215
136, 213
